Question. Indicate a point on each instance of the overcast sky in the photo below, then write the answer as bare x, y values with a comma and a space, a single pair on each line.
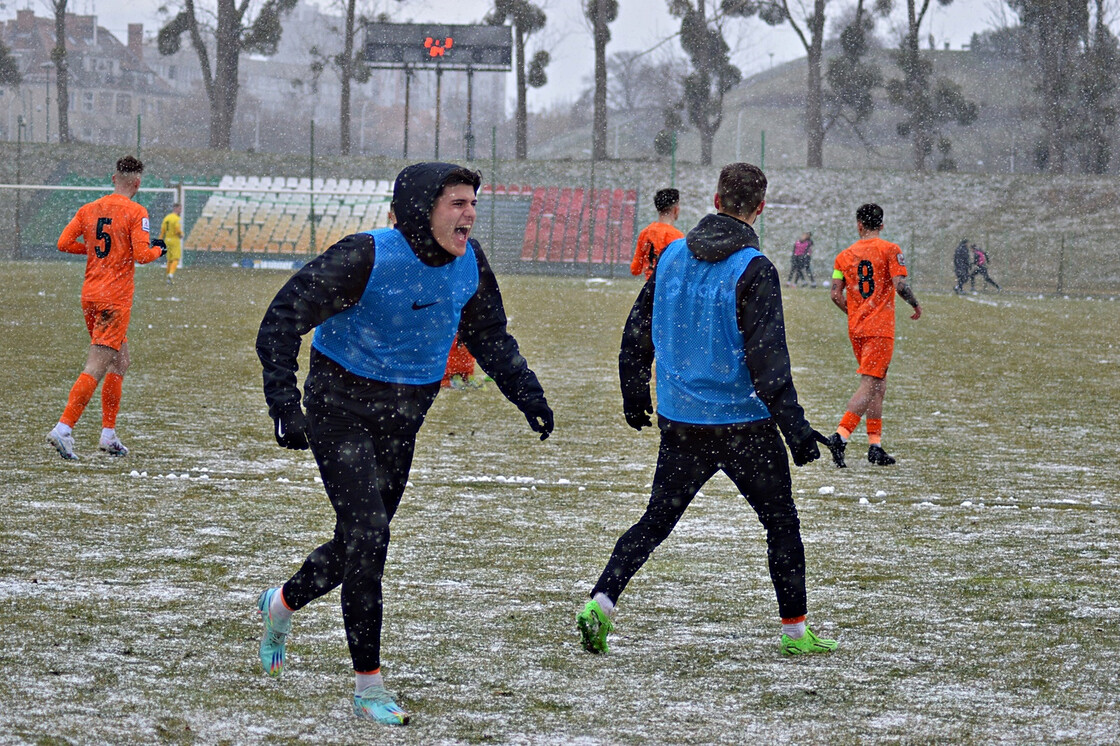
640, 25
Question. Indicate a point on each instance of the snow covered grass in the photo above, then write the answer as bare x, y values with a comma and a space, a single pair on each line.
972, 586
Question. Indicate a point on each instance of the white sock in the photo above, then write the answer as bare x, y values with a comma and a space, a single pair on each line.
63, 429
604, 603
363, 681
276, 608
108, 433
794, 631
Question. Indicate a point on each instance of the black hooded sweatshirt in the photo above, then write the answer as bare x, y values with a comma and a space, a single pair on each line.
336, 279
758, 300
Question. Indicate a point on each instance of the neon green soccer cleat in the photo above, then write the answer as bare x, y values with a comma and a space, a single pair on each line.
810, 644
376, 704
274, 637
594, 626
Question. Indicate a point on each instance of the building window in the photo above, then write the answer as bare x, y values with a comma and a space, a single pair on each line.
105, 102
124, 104
87, 102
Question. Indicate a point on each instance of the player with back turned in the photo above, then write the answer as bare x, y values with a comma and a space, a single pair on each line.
657, 235
114, 235
385, 305
711, 314
865, 278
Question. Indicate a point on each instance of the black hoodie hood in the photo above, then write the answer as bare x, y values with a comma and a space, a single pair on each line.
414, 195
718, 236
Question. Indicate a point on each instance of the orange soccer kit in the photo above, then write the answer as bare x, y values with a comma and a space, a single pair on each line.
868, 268
651, 242
115, 232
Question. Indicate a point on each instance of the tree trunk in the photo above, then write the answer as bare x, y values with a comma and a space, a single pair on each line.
706, 137
346, 74
227, 58
62, 70
814, 117
522, 117
599, 125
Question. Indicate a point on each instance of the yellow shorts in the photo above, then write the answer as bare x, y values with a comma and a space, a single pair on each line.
874, 355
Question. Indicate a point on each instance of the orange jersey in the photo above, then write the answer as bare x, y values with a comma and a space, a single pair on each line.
115, 231
868, 267
651, 242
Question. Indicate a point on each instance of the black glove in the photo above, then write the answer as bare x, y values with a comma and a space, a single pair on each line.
158, 242
806, 450
637, 411
291, 429
539, 415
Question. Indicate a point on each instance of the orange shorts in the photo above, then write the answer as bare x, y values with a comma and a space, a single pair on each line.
874, 355
107, 324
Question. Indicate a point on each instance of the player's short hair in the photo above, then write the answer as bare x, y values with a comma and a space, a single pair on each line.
130, 165
461, 175
665, 199
741, 189
870, 216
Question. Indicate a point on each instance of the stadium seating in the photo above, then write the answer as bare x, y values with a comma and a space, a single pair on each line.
265, 215
561, 221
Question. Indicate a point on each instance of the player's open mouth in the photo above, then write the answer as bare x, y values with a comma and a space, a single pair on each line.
463, 231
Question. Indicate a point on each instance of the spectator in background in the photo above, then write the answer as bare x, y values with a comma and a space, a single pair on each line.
802, 260
657, 235
980, 267
962, 265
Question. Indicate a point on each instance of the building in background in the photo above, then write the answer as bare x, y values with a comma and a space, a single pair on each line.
109, 84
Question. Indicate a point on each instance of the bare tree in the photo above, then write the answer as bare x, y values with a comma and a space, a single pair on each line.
712, 74
526, 19
808, 24
600, 13
927, 105
231, 33
852, 80
350, 65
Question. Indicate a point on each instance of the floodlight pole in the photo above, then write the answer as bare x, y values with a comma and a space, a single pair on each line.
19, 180
493, 181
439, 84
762, 166
312, 195
470, 114
407, 95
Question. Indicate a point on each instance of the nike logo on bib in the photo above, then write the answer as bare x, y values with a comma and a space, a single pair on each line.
416, 305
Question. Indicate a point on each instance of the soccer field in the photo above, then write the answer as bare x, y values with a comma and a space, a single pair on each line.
972, 587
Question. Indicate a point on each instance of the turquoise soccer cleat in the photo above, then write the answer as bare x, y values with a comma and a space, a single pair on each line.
376, 704
275, 635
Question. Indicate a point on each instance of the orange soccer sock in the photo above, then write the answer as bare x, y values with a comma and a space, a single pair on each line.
111, 399
874, 432
848, 423
80, 394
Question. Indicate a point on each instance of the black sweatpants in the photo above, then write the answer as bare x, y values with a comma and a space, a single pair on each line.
363, 433
755, 459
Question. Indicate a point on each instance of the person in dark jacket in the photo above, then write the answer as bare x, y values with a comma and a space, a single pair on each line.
962, 265
385, 306
711, 314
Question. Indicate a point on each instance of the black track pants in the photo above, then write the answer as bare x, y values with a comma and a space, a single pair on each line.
755, 460
362, 434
